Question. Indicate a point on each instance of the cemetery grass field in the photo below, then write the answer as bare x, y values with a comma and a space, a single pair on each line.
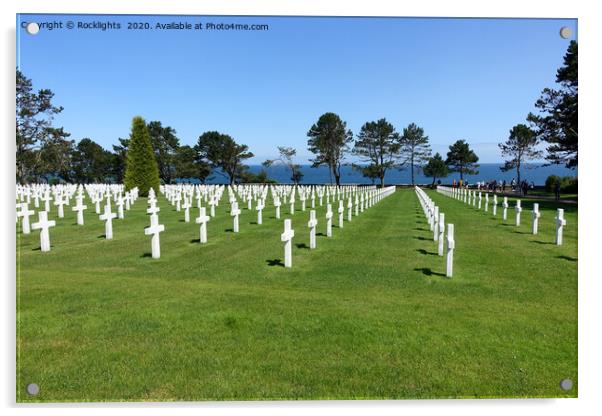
367, 315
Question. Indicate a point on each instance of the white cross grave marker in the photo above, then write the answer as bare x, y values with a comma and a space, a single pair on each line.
341, 211
235, 212
312, 223
25, 213
535, 216
451, 245
287, 238
441, 241
107, 217
43, 225
186, 207
154, 230
202, 219
328, 220
560, 223
518, 210
259, 207
79, 207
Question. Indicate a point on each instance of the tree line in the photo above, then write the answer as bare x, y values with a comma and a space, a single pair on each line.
45, 151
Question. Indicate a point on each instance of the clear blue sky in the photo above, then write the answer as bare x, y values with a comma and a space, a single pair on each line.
467, 79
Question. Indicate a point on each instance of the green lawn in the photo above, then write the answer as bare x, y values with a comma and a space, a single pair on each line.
368, 314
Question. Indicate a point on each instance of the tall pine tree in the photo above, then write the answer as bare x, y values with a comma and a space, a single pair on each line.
141, 167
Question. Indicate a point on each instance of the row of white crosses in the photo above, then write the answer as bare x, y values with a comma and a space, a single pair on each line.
62, 195
466, 196
182, 194
289, 233
436, 221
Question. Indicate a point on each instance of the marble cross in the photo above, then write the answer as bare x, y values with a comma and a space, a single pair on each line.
25, 213
186, 207
203, 219
518, 210
505, 208
212, 204
60, 202
43, 225
494, 208
451, 245
560, 224
154, 230
107, 217
259, 207
312, 223
328, 220
349, 209
277, 204
535, 217
235, 212
441, 241
79, 207
341, 211
120, 203
287, 238
46, 198
436, 224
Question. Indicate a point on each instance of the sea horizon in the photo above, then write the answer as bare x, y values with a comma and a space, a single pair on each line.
535, 173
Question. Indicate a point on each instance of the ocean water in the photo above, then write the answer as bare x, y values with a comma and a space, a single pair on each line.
536, 173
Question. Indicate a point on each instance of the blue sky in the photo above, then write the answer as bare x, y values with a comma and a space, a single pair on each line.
467, 79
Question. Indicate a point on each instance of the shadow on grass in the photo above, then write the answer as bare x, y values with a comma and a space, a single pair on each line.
229, 230
563, 257
422, 238
146, 255
423, 251
321, 234
543, 242
420, 229
253, 223
195, 240
428, 272
275, 262
39, 248
302, 245
102, 236
521, 232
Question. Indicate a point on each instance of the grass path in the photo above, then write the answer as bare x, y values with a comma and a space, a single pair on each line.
365, 315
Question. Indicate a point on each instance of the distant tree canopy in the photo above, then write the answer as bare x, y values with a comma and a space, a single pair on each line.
414, 147
520, 147
141, 167
91, 163
378, 147
165, 145
187, 166
221, 152
436, 168
557, 122
285, 158
462, 159
34, 115
329, 140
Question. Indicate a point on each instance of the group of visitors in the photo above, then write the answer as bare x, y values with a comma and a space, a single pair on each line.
497, 186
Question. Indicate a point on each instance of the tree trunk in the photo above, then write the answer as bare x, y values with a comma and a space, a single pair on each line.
412, 169
382, 181
518, 175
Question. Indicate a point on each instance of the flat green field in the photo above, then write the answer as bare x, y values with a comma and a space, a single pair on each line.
368, 314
